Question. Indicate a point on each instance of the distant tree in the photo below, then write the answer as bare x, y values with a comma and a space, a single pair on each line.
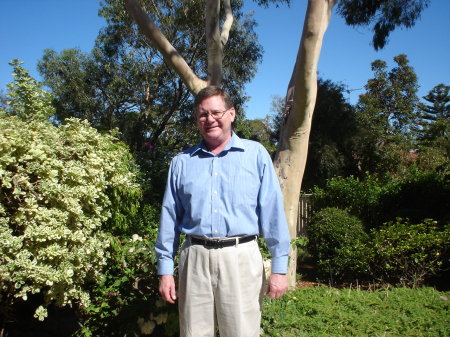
434, 135
435, 116
390, 101
25, 97
332, 131
258, 130
3, 99
439, 99
387, 118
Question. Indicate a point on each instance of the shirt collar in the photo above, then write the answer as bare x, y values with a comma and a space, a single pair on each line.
235, 143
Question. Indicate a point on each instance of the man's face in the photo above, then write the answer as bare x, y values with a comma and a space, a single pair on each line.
214, 131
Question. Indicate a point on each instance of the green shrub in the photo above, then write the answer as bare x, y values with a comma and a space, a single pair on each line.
59, 192
417, 196
406, 254
126, 301
359, 198
334, 238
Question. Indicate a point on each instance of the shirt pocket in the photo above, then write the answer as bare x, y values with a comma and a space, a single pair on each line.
245, 188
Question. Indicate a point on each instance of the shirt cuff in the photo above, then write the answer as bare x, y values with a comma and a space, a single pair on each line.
165, 267
279, 264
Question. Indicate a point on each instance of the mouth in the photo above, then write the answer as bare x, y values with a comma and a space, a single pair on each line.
210, 128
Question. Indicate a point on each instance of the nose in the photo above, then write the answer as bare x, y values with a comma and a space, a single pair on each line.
210, 118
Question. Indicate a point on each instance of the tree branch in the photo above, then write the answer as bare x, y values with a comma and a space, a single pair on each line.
227, 24
170, 54
214, 46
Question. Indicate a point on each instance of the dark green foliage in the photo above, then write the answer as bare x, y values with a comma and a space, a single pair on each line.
333, 235
266, 3
257, 130
322, 311
435, 121
417, 196
126, 301
407, 253
386, 15
332, 131
127, 298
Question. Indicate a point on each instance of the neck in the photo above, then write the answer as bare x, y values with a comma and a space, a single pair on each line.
216, 146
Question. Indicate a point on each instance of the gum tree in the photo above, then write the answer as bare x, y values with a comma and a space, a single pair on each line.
301, 95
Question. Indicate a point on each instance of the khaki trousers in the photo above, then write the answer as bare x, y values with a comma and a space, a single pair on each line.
220, 287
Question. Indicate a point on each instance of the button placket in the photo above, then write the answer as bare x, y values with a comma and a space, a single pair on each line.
215, 202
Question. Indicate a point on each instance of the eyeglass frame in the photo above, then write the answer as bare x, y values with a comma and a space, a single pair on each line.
205, 115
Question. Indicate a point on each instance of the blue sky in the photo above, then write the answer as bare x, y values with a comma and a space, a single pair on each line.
27, 27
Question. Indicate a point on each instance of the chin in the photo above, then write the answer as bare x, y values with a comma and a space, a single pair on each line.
212, 133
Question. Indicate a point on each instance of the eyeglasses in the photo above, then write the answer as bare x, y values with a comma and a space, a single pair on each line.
203, 117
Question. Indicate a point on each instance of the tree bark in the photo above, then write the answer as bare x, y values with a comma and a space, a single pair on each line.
214, 46
215, 39
227, 23
290, 159
170, 54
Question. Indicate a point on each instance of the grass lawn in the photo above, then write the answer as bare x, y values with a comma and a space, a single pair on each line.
323, 311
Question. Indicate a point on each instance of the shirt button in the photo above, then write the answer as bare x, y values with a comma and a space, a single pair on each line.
215, 211
215, 173
215, 192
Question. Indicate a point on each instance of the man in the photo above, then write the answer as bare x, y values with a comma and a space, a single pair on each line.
221, 193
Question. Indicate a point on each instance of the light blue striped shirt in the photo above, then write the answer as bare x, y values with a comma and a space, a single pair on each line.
233, 193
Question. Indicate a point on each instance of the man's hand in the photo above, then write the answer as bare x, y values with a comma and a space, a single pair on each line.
167, 288
277, 285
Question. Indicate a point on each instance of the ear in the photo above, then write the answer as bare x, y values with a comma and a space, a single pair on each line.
232, 112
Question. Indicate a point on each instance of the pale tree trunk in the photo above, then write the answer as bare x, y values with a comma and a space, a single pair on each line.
216, 40
301, 95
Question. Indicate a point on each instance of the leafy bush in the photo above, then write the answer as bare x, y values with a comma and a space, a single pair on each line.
406, 254
59, 187
333, 237
358, 197
126, 301
417, 196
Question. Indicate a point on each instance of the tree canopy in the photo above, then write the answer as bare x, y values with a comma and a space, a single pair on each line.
384, 15
125, 83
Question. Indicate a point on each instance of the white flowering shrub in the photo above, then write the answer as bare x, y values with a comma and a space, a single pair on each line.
61, 189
